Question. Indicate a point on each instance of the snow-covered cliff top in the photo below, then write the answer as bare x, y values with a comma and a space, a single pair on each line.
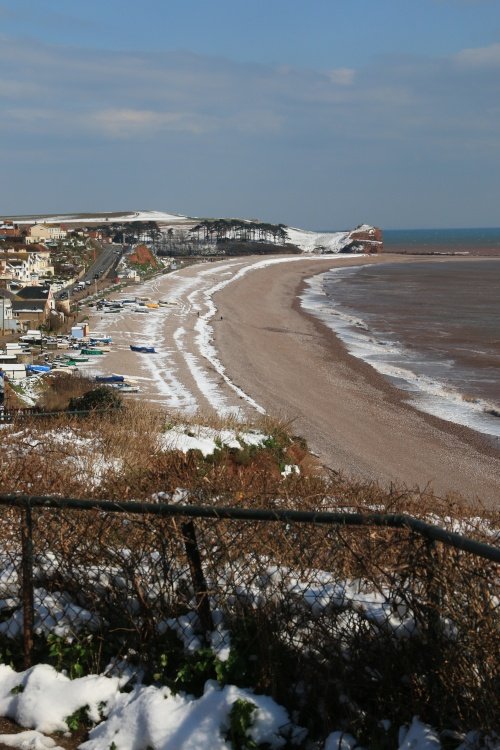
307, 241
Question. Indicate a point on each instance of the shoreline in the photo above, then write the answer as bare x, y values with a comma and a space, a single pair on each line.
437, 451
235, 341
487, 444
306, 301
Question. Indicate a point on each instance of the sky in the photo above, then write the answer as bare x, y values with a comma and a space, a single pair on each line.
321, 114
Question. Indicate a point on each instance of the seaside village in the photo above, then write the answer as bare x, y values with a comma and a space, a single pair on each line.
171, 582
47, 273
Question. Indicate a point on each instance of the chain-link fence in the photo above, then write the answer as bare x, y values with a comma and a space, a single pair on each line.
345, 619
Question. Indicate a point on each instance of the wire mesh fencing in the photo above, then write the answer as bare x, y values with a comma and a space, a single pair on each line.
344, 619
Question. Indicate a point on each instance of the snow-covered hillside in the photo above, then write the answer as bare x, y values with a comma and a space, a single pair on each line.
314, 242
333, 242
307, 241
112, 217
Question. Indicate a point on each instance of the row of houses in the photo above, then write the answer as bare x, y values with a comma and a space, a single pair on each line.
26, 297
47, 233
25, 265
27, 280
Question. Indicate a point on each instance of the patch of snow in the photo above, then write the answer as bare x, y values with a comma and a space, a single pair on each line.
187, 629
48, 698
30, 740
110, 218
341, 741
42, 698
418, 736
55, 612
206, 439
316, 242
157, 718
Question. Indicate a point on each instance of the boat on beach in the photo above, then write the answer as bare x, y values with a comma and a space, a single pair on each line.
91, 351
125, 387
142, 348
96, 340
110, 378
38, 368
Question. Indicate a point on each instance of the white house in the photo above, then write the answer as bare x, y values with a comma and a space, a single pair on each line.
24, 265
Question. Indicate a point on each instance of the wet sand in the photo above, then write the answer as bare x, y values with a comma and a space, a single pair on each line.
295, 368
350, 415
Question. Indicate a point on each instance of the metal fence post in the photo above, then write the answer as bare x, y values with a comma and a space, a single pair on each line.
434, 627
197, 576
27, 584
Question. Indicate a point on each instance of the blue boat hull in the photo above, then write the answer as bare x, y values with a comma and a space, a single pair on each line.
143, 349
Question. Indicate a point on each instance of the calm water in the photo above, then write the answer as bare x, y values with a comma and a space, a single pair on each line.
433, 328
473, 241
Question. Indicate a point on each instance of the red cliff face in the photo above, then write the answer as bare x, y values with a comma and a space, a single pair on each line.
367, 239
143, 256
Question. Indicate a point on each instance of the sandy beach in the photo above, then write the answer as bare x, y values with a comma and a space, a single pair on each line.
236, 341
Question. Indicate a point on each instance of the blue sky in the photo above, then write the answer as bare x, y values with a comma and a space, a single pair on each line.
315, 113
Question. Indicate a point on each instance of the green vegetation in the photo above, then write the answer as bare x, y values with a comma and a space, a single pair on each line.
240, 719
222, 230
101, 398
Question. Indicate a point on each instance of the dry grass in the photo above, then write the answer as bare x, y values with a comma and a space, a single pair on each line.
277, 584
60, 388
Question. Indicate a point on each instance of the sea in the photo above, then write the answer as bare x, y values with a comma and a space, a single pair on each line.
431, 327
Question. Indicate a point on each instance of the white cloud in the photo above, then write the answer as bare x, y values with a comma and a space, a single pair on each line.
128, 97
123, 123
342, 76
479, 57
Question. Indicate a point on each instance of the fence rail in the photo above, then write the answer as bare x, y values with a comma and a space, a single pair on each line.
388, 520
316, 599
7, 416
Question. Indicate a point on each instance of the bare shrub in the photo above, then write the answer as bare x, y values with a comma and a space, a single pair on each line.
343, 625
60, 388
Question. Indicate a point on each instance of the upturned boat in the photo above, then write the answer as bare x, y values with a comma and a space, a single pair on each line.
109, 378
143, 349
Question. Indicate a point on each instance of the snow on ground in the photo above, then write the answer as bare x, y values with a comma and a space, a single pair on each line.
55, 612
111, 217
206, 439
85, 454
314, 242
29, 740
308, 241
204, 329
152, 716
189, 320
42, 699
417, 736
28, 389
